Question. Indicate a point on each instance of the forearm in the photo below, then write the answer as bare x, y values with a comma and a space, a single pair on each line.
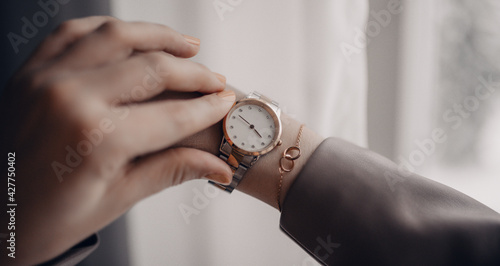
262, 180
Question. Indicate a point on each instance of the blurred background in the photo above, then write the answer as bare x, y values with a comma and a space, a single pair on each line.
440, 72
417, 81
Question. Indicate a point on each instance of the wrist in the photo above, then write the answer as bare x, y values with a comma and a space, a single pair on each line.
261, 181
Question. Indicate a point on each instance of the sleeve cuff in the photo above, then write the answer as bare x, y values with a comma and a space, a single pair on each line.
77, 253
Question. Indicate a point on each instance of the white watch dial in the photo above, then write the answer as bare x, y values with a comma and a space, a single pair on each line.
250, 127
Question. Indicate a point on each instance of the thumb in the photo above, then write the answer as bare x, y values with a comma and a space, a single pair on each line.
175, 166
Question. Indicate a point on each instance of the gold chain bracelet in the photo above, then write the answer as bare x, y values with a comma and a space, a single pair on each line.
288, 157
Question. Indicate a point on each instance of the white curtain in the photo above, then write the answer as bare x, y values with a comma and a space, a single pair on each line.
448, 49
288, 50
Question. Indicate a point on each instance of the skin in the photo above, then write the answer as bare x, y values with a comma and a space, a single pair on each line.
83, 79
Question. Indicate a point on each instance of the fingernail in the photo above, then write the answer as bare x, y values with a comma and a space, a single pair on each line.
192, 40
227, 95
220, 77
221, 179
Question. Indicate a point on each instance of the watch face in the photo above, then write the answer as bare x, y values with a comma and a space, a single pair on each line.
251, 127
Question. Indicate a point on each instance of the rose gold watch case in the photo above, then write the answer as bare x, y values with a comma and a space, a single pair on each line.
277, 126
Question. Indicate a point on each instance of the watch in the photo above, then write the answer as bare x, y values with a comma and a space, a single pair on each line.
252, 128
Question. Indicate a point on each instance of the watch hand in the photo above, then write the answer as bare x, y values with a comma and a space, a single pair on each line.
257, 132
245, 120
251, 126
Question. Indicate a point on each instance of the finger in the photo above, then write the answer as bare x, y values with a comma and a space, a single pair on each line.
154, 126
148, 74
66, 33
173, 167
116, 40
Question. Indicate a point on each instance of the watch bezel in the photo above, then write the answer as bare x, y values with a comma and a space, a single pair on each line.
277, 122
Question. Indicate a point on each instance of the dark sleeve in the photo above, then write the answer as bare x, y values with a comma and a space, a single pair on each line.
350, 206
77, 253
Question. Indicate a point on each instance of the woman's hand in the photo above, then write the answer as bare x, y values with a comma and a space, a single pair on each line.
88, 140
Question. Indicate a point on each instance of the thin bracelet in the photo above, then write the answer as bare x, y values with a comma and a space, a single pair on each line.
288, 156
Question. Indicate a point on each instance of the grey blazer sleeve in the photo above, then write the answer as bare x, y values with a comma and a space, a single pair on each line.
77, 253
350, 206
